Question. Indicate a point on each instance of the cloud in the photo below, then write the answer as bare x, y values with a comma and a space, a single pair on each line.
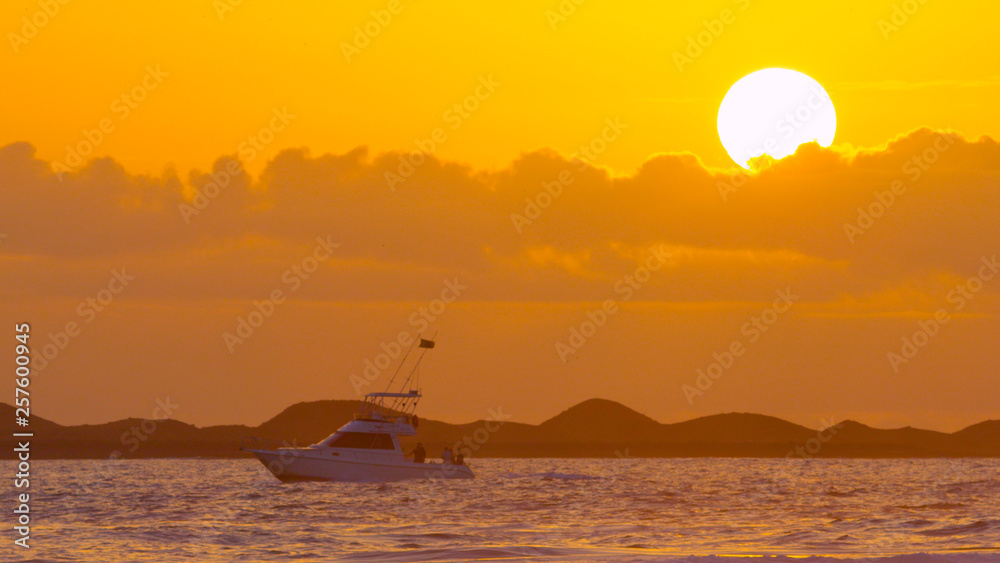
733, 236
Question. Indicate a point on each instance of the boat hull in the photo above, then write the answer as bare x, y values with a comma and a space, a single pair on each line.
304, 464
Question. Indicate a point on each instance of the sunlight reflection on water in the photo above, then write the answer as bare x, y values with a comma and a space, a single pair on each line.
555, 509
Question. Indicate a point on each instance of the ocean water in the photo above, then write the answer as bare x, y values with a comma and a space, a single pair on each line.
545, 509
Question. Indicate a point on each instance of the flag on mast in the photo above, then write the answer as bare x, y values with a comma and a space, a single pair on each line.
426, 343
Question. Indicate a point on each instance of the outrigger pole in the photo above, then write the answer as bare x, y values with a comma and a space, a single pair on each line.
423, 349
401, 362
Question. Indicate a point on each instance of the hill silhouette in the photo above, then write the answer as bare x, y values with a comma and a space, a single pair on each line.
593, 428
599, 420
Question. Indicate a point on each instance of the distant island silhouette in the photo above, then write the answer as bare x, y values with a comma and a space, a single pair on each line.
593, 428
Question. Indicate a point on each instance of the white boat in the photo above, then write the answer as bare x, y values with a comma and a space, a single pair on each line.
365, 449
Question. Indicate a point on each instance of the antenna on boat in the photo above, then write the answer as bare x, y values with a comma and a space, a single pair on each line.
401, 362
424, 345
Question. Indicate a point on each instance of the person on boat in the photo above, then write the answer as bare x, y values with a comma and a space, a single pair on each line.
419, 453
460, 459
446, 455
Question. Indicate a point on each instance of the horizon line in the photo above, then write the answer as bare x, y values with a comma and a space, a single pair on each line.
359, 400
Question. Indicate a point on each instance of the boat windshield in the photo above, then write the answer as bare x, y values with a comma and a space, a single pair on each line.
362, 441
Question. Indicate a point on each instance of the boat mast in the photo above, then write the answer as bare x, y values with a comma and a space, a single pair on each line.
401, 362
423, 350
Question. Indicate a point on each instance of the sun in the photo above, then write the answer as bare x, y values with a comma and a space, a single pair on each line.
773, 111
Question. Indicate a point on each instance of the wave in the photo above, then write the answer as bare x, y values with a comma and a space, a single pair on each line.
567, 476
932, 506
977, 526
549, 475
551, 510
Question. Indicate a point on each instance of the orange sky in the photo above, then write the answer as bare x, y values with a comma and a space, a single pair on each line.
171, 93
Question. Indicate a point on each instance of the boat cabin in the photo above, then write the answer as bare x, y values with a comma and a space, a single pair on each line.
381, 418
